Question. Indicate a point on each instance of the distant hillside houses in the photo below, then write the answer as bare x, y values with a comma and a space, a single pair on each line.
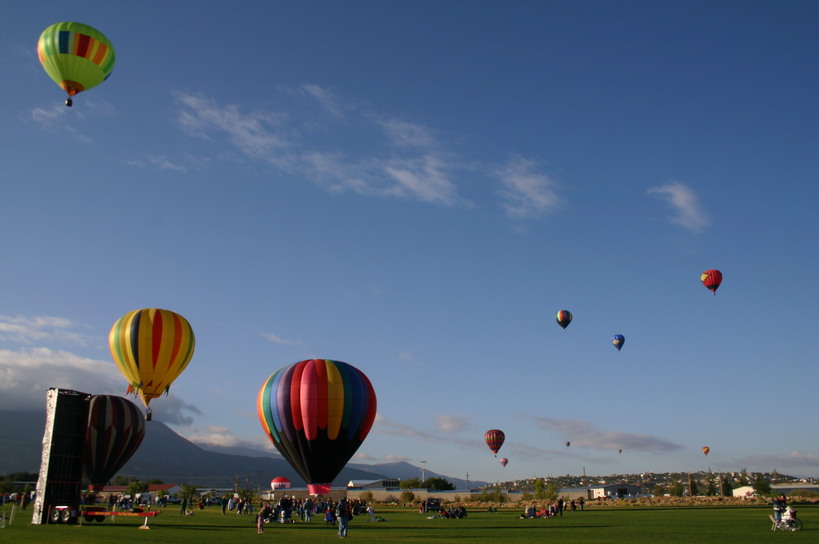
602, 491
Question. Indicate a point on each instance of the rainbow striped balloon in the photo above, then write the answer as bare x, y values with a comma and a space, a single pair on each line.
76, 56
151, 347
317, 413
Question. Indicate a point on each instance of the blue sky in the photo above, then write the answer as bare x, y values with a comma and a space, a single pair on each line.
416, 188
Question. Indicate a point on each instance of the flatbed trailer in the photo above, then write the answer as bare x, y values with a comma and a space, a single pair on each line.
68, 514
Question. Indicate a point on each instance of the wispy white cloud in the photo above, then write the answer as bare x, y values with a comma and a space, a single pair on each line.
684, 204
53, 119
216, 435
257, 134
360, 151
447, 423
27, 330
788, 461
279, 340
424, 178
405, 134
525, 192
584, 434
324, 98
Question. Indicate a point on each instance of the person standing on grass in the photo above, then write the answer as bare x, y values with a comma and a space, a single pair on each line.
343, 516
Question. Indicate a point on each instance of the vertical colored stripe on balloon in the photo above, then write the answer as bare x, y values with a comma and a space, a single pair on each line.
321, 368
308, 399
281, 404
82, 44
102, 49
295, 396
358, 402
335, 399
64, 41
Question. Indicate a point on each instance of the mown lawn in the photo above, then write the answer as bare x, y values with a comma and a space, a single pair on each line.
687, 525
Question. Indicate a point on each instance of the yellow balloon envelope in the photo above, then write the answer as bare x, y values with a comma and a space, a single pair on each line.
151, 347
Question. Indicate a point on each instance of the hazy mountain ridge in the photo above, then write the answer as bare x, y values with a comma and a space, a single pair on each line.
166, 455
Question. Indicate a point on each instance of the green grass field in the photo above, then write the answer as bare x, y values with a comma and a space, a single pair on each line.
595, 526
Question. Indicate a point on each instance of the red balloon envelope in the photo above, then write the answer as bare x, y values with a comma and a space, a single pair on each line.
504, 461
115, 430
494, 439
317, 413
711, 279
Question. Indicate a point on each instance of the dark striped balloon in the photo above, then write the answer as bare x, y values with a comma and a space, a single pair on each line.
115, 430
317, 413
564, 317
494, 439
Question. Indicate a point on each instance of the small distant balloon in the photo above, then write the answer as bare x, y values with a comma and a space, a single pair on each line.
705, 450
711, 279
494, 439
564, 317
568, 443
619, 451
618, 340
504, 461
279, 482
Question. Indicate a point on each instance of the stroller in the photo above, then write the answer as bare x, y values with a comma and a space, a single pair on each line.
788, 522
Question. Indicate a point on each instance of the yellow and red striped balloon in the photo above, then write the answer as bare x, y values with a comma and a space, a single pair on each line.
151, 347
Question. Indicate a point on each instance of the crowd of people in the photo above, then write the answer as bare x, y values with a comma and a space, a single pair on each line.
552, 509
335, 512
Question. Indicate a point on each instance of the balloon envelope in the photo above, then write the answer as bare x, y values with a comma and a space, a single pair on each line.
564, 317
618, 340
280, 482
705, 450
317, 413
711, 279
115, 430
494, 439
76, 56
504, 461
151, 348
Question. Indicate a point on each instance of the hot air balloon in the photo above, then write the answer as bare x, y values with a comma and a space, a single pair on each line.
705, 450
317, 413
568, 443
76, 56
618, 340
711, 279
494, 439
504, 461
564, 317
151, 348
279, 482
619, 451
114, 432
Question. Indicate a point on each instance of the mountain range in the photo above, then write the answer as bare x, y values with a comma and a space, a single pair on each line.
167, 456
